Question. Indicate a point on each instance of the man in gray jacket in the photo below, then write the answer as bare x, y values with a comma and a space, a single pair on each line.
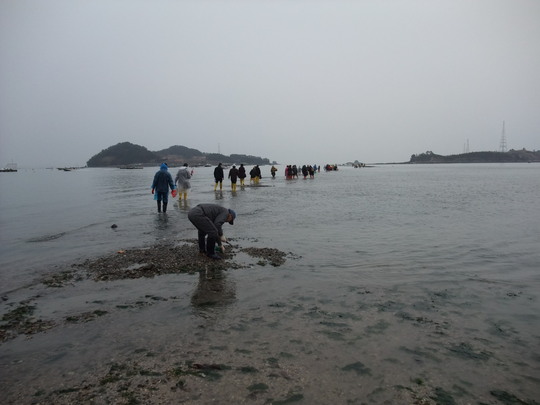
208, 219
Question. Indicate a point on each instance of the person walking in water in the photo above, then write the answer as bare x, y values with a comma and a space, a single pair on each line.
160, 186
258, 174
209, 219
255, 175
273, 171
233, 175
241, 174
182, 181
218, 176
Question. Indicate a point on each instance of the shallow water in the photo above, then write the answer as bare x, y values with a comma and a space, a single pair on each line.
397, 274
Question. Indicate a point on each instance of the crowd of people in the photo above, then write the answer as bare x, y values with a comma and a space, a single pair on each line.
163, 180
291, 171
209, 218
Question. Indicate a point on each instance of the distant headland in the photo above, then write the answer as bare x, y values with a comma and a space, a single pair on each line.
126, 154
512, 156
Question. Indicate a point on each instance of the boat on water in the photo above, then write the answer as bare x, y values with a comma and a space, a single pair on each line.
131, 166
68, 169
10, 168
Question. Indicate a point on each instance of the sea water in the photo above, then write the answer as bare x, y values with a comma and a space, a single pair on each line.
412, 221
379, 252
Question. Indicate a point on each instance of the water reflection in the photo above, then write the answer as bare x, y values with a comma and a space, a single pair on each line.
183, 205
214, 291
161, 221
219, 195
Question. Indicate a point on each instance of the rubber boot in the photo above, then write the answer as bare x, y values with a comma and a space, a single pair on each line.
210, 248
215, 187
164, 207
159, 206
220, 186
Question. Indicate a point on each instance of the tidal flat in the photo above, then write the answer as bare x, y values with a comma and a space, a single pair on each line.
162, 324
392, 285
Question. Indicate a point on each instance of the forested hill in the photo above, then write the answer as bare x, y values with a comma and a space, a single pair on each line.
516, 156
126, 153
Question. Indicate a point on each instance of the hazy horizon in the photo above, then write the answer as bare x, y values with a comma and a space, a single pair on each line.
291, 81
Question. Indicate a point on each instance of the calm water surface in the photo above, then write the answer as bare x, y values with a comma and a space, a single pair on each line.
413, 271
473, 219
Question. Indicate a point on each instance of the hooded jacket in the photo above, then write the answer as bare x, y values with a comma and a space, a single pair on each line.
163, 180
182, 178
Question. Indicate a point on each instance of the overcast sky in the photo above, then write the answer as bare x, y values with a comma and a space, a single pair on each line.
294, 81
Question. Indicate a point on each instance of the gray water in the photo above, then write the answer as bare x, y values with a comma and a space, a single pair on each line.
414, 272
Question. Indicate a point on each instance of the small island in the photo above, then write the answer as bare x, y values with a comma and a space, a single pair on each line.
128, 155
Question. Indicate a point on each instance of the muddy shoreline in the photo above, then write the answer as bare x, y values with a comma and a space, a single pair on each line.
147, 262
144, 376
74, 338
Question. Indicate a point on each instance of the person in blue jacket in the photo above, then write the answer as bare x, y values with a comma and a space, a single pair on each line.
160, 186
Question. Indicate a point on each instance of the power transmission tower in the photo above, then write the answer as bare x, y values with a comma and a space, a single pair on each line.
502, 145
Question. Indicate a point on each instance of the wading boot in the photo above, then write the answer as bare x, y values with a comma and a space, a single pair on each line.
159, 206
164, 207
211, 249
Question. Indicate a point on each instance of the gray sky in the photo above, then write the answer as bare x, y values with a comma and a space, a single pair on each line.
294, 81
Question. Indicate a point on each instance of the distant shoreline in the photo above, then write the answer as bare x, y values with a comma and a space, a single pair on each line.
512, 156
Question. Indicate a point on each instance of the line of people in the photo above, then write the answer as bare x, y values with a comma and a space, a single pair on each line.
163, 179
236, 174
291, 171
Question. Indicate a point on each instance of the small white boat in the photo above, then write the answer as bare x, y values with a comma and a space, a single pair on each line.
10, 168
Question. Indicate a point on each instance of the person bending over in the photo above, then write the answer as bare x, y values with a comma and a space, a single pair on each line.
209, 219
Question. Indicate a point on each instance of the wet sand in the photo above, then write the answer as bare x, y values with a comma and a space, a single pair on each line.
98, 332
